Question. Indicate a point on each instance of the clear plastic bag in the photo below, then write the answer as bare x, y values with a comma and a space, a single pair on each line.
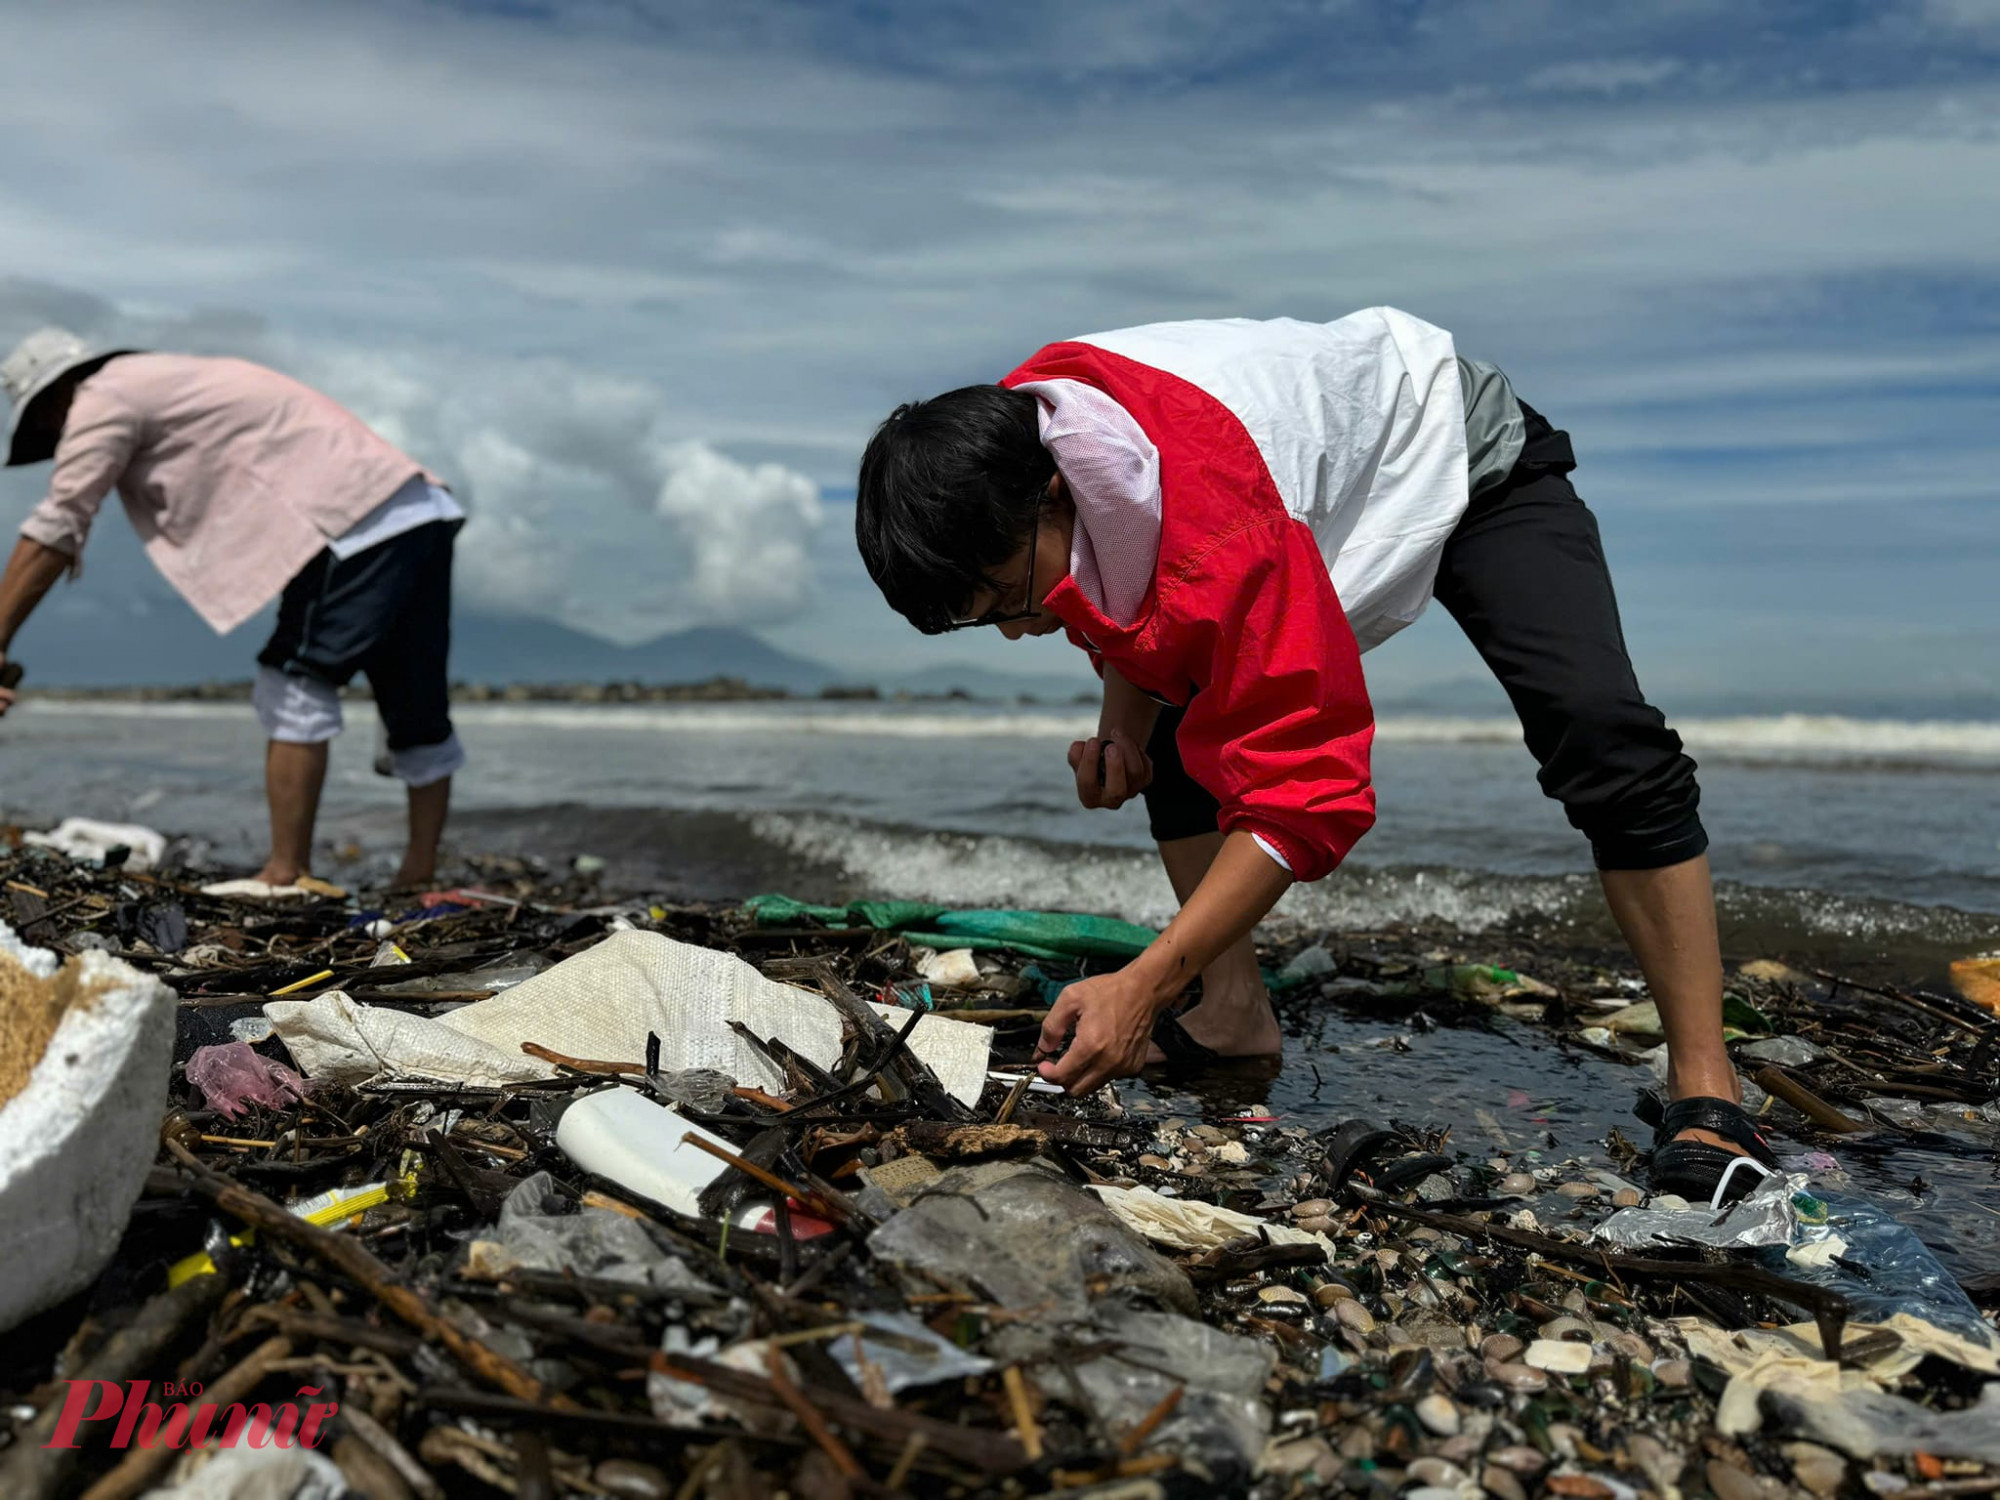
1884, 1270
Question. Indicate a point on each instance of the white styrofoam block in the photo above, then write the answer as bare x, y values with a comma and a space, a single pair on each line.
76, 1142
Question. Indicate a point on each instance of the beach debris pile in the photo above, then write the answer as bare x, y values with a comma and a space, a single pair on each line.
518, 1188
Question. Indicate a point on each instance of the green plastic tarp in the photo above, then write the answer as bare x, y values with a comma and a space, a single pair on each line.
1037, 934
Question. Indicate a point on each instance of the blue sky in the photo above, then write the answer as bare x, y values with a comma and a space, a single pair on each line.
640, 277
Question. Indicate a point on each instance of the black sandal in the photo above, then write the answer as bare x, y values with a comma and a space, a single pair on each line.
1180, 1050
1695, 1170
1181, 1053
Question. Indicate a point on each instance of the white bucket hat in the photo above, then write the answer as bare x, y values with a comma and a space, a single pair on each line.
38, 362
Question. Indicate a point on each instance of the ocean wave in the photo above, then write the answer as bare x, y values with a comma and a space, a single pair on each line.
1804, 740
980, 870
1788, 739
966, 869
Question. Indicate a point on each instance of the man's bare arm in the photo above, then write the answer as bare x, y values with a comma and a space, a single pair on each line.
31, 572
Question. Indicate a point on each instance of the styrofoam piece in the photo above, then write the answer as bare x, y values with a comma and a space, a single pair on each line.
622, 1135
88, 841
954, 969
601, 1004
257, 890
75, 1143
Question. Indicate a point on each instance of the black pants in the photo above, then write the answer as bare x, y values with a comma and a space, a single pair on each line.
1524, 575
385, 612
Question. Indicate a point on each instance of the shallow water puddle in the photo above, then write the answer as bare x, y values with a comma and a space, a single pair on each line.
1508, 1087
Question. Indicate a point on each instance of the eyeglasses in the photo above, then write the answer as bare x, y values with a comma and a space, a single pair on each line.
1027, 611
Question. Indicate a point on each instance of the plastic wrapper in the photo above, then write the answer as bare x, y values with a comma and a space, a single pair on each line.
1767, 1215
1189, 1224
1027, 1238
1786, 1051
1221, 1422
899, 1351
235, 1074
533, 1233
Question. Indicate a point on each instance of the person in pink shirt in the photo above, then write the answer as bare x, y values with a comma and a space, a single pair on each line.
246, 486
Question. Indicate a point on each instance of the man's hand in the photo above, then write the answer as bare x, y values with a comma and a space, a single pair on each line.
10, 678
1110, 771
1111, 1017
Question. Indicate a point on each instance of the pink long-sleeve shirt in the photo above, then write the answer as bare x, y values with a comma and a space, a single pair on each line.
234, 476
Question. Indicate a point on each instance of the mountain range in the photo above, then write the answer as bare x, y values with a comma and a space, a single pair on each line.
150, 643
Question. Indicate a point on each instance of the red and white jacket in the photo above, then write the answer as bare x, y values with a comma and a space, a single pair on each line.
1296, 465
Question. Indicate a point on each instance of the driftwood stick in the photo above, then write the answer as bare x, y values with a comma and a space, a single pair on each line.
353, 1260
135, 1473
1774, 1080
995, 1452
137, 1351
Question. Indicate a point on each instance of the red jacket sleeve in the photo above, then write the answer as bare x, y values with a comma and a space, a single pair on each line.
1279, 727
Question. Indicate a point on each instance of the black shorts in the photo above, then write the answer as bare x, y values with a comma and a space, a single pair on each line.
385, 612
1525, 577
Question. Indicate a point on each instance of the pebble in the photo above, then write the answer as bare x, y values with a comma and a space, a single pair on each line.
1673, 1372
1629, 1344
1281, 1294
1303, 1455
1577, 1189
1518, 1377
1627, 1198
1350, 1311
1566, 1328
1438, 1414
1660, 1464
1464, 1448
1157, 1163
1312, 1208
1331, 1292
1558, 1356
1318, 1226
1502, 1485
1517, 1184
1501, 1347
1437, 1471
1412, 1373
1519, 1459
1731, 1483
1431, 1492
1578, 1487
1232, 1153
1820, 1470
631, 1480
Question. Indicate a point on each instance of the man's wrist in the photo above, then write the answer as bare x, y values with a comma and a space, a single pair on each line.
1163, 970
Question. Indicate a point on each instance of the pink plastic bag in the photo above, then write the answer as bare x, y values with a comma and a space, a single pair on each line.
236, 1074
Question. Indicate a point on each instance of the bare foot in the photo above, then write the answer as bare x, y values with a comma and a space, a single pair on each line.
274, 873
1232, 1023
409, 877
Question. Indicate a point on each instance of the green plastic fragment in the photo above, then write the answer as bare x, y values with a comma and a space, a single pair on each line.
1740, 1013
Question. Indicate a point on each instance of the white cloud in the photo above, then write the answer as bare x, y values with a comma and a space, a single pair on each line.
558, 243
589, 503
1605, 76
749, 528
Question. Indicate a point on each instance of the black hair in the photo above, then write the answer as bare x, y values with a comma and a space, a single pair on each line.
40, 429
950, 489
